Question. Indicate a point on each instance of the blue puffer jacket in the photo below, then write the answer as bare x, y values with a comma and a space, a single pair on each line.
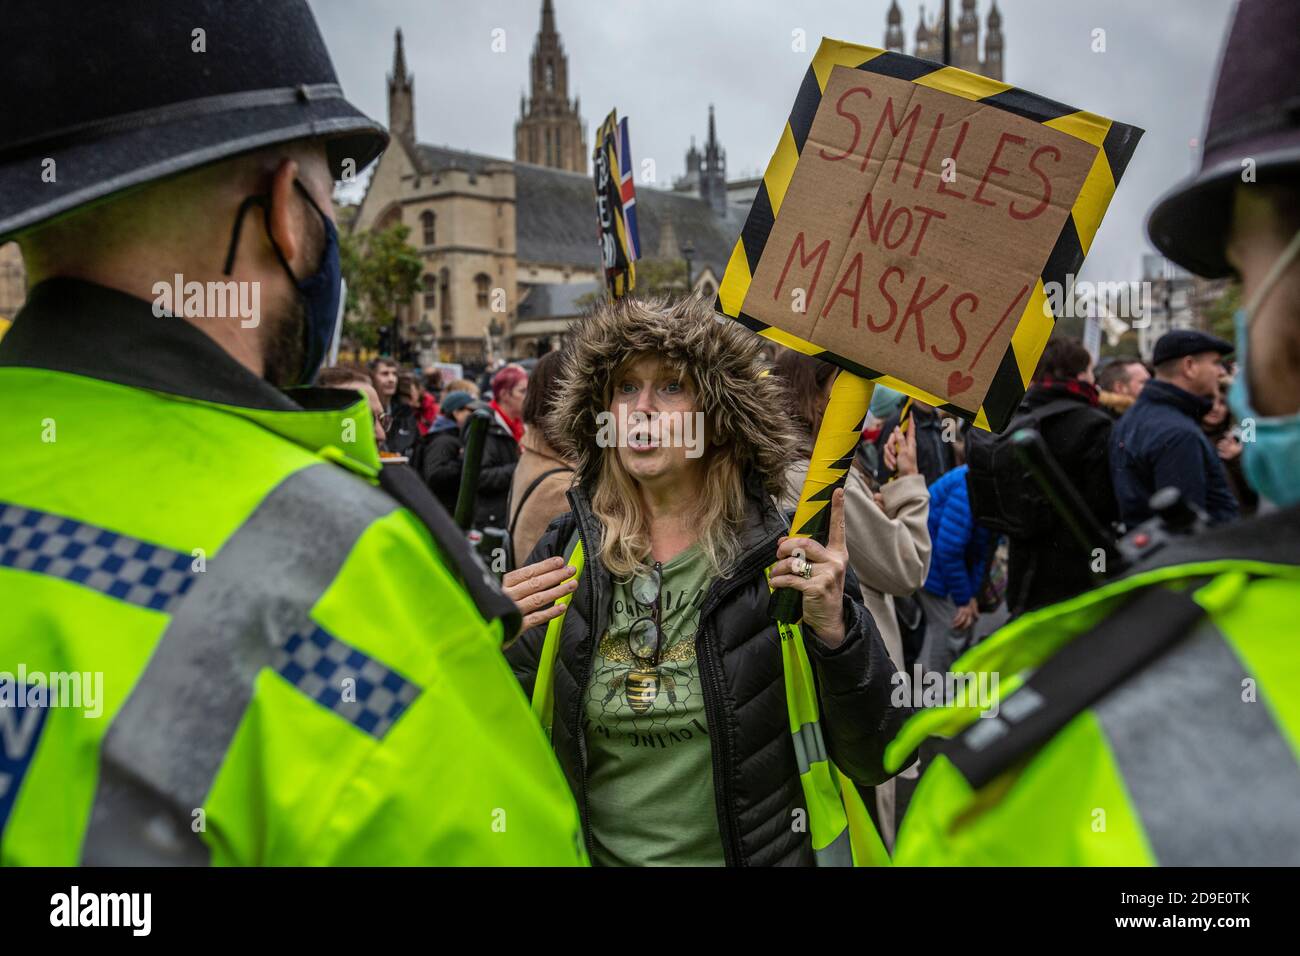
961, 547
1159, 442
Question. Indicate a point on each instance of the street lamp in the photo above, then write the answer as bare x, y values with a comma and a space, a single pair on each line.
947, 33
428, 341
394, 348
688, 253
495, 331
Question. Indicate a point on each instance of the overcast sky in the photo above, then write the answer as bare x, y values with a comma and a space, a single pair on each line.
661, 63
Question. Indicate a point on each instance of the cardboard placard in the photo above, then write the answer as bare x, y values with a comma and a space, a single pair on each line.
909, 220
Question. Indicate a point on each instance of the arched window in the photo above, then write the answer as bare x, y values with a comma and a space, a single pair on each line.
430, 291
550, 77
707, 289
427, 222
482, 286
389, 217
444, 318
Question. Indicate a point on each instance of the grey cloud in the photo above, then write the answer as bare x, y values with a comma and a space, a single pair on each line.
662, 63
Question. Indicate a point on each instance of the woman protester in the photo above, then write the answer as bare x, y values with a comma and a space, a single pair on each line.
887, 536
669, 708
541, 479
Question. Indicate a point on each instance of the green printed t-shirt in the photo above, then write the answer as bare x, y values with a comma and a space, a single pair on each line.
650, 759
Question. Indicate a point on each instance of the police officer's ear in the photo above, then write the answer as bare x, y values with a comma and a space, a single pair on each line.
288, 216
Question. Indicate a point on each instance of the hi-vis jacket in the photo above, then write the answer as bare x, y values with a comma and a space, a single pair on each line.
1155, 720
293, 666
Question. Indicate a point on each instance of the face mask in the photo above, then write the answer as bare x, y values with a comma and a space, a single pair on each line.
1272, 460
321, 291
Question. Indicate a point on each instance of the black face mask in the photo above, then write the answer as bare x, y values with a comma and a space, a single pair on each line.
306, 339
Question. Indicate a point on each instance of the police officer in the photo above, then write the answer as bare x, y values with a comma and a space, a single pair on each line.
229, 635
1155, 720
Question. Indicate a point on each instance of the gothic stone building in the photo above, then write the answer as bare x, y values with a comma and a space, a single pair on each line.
513, 243
965, 38
550, 131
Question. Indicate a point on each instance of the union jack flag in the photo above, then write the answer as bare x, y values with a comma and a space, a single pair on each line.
627, 191
620, 244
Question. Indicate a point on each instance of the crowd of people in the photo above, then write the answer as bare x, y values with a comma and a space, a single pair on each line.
932, 577
422, 420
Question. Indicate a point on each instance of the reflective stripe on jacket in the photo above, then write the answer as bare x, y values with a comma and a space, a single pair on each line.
292, 669
1189, 758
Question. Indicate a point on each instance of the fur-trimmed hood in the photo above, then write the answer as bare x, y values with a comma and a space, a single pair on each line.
1115, 402
742, 404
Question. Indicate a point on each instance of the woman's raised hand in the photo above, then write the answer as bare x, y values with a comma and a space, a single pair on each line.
823, 589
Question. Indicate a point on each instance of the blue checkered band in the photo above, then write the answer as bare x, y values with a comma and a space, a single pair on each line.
319, 665
113, 564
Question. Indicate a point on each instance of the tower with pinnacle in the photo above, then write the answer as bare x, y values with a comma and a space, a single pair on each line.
550, 131
713, 171
401, 95
965, 40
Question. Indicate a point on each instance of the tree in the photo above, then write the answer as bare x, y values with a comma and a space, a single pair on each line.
1219, 313
382, 272
356, 327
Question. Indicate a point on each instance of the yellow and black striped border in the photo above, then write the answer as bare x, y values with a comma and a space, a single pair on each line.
1115, 142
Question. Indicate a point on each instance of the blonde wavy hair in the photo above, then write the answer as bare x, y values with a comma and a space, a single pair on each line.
616, 501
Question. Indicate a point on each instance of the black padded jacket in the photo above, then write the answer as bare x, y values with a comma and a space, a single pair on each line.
756, 779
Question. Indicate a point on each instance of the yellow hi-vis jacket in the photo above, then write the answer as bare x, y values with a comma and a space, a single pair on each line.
222, 642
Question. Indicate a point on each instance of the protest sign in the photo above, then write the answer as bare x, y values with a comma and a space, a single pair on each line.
912, 220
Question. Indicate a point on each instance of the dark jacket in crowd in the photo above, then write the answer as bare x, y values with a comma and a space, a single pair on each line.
1050, 567
440, 460
934, 456
404, 431
500, 456
1159, 442
1247, 497
756, 778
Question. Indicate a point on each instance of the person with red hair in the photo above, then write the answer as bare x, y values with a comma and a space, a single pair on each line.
501, 447
509, 386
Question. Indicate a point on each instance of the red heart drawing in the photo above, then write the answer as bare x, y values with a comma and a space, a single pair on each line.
957, 382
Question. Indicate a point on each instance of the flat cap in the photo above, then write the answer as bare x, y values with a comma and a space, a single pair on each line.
1180, 342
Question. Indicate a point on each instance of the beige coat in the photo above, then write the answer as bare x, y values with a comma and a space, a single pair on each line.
890, 554
547, 501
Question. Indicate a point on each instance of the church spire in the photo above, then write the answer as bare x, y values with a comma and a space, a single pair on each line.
551, 132
894, 28
713, 170
401, 94
993, 45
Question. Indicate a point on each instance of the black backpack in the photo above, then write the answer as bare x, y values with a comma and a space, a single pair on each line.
1003, 497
